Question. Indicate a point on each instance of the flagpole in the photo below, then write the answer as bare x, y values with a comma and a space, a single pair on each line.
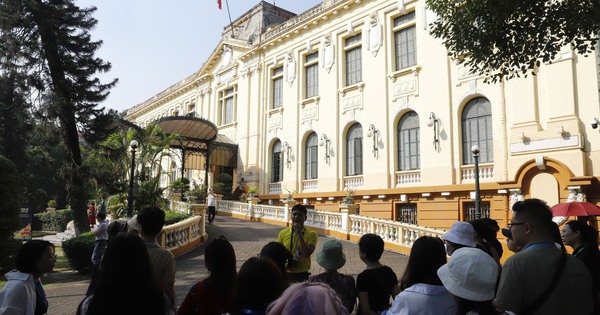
230, 22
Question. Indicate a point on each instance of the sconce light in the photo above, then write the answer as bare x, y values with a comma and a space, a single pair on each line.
561, 130
595, 123
288, 152
434, 122
373, 132
327, 144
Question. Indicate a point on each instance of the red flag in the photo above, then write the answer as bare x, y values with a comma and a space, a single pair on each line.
219, 4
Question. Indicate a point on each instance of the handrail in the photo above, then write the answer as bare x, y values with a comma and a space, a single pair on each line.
184, 235
392, 232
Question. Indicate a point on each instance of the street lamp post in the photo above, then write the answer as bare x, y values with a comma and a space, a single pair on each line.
133, 145
475, 151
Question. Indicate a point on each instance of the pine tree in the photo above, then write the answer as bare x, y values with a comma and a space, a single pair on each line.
48, 43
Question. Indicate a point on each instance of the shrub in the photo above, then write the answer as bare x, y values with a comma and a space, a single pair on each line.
53, 221
79, 251
9, 249
174, 217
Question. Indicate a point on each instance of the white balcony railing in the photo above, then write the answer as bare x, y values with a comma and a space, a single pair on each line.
405, 178
309, 185
353, 182
486, 173
274, 188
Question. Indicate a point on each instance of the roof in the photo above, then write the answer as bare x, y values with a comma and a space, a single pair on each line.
194, 134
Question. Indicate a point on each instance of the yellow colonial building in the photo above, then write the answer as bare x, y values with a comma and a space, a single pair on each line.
356, 96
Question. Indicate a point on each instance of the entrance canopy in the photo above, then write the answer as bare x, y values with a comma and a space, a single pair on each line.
195, 134
198, 139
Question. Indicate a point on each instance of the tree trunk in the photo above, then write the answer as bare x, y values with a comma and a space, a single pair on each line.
63, 102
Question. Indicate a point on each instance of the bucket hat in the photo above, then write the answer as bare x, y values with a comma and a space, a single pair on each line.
461, 233
134, 223
331, 256
470, 274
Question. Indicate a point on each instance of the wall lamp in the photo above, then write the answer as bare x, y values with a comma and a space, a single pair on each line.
435, 123
595, 123
325, 142
373, 132
288, 152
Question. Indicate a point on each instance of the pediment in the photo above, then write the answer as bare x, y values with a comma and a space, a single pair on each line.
223, 59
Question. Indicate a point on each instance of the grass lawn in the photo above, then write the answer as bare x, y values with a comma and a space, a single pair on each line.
62, 271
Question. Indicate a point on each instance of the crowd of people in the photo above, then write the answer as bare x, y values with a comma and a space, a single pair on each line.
136, 276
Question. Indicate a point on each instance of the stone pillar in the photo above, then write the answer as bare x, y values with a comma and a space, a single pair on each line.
200, 210
347, 209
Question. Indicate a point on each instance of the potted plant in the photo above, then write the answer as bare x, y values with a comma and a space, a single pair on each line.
290, 193
349, 196
197, 194
51, 205
252, 192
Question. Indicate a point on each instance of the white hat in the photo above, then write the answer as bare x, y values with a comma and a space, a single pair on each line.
134, 223
461, 233
470, 274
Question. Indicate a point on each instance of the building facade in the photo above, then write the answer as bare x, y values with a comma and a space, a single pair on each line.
355, 97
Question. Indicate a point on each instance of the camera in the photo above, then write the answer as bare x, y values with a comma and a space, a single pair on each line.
594, 123
292, 262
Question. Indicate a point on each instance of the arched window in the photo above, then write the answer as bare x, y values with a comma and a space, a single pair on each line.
277, 163
477, 130
354, 155
310, 158
409, 151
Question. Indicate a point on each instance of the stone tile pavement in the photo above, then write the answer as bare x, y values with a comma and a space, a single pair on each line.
247, 238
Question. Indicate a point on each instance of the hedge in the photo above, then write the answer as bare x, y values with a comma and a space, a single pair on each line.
52, 220
174, 217
79, 251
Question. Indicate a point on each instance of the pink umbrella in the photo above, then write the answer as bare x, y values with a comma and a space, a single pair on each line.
575, 208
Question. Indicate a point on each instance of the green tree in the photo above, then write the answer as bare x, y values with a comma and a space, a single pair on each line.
114, 155
503, 39
9, 212
48, 42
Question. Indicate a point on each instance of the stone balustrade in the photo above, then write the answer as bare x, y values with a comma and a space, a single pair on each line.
345, 224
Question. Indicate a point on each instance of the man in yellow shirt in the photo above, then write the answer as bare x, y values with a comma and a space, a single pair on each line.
301, 242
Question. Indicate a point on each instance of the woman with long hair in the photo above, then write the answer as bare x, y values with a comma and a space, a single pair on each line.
422, 289
213, 295
584, 241
23, 293
126, 285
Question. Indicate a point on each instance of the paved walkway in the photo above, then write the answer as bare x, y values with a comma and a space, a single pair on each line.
247, 237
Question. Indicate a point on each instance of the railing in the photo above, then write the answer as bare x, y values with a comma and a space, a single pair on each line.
486, 172
285, 26
269, 212
309, 185
353, 182
274, 188
181, 233
408, 178
393, 232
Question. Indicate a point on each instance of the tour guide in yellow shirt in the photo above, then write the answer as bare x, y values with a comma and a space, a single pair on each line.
301, 242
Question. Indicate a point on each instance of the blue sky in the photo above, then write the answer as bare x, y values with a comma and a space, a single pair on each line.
153, 44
